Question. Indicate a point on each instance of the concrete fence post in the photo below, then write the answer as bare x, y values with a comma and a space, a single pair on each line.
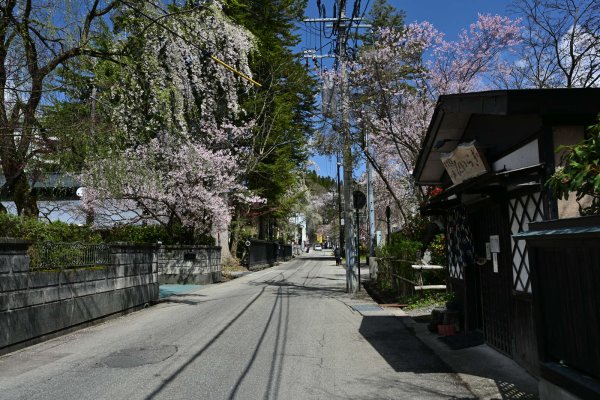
13, 255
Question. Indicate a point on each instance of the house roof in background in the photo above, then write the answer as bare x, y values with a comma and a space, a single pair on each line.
50, 180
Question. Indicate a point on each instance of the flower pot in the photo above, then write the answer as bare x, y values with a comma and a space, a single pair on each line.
446, 330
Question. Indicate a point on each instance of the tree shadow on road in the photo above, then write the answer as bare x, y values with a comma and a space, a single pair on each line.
199, 353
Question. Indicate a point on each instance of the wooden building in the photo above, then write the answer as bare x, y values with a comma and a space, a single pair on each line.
492, 152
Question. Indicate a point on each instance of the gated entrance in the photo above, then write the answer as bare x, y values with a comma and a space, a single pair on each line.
489, 221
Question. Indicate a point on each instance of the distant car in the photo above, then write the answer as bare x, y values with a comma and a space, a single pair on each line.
318, 247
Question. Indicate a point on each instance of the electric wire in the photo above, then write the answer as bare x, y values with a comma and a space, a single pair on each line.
360, 19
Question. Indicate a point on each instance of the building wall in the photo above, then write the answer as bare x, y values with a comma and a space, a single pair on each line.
524, 156
37, 303
300, 234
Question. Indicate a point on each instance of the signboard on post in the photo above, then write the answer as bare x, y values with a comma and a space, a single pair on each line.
465, 162
359, 199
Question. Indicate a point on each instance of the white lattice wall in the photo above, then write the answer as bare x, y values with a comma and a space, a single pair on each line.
523, 210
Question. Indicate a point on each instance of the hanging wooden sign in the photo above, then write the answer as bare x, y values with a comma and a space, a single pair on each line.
465, 162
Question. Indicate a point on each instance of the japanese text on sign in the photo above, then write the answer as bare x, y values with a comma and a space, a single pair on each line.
464, 162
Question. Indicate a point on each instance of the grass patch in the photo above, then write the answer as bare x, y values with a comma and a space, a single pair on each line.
230, 266
90, 268
426, 300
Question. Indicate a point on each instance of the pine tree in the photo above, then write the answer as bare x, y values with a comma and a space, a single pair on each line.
282, 107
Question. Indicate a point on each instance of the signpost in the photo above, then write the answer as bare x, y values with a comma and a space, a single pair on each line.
360, 200
388, 214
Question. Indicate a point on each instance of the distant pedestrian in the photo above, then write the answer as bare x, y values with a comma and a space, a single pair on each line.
337, 253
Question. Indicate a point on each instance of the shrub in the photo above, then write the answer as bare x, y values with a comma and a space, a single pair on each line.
394, 261
155, 233
36, 230
414, 228
438, 250
400, 247
428, 299
581, 172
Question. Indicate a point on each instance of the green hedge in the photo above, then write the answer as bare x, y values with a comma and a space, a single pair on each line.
155, 233
36, 230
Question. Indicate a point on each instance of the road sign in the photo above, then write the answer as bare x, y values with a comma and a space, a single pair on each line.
360, 200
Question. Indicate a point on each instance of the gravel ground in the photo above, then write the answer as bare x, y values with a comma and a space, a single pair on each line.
419, 312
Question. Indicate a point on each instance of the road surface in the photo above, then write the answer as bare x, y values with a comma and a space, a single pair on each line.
289, 332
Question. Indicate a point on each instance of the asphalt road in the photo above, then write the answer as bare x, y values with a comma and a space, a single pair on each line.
288, 332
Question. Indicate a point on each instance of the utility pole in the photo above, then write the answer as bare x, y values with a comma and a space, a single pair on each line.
341, 24
370, 202
341, 230
351, 279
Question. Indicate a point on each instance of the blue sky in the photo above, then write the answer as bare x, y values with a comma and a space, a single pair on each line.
448, 16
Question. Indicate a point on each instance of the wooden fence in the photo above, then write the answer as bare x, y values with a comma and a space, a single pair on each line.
266, 253
565, 272
404, 277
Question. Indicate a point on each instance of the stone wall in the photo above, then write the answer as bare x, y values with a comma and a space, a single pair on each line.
197, 265
37, 303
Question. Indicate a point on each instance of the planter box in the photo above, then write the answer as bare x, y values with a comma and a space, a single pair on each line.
446, 330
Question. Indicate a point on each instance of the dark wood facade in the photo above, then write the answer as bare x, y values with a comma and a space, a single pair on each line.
489, 218
565, 267
517, 131
491, 301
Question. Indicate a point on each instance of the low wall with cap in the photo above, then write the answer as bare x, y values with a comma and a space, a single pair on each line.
34, 303
196, 265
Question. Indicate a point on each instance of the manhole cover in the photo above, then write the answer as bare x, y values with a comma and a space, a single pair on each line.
135, 357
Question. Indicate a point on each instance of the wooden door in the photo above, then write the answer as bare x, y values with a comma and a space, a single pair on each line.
490, 218
524, 207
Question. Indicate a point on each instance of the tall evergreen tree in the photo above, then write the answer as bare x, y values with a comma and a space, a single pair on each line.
282, 107
384, 15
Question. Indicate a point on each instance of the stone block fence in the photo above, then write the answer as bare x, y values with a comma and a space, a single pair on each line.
198, 265
34, 303
43, 300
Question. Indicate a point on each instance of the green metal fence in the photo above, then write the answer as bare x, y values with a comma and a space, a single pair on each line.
56, 255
